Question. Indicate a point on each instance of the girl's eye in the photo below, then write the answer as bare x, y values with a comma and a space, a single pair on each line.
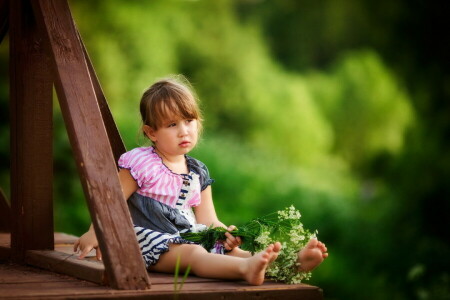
172, 125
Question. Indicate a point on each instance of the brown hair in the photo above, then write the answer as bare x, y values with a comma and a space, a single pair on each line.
171, 95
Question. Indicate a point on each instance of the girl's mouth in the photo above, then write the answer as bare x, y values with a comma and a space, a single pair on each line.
184, 144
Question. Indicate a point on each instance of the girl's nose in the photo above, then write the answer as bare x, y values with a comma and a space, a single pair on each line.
183, 130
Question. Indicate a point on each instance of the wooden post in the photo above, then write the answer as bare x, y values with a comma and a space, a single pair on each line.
5, 213
31, 135
114, 137
95, 161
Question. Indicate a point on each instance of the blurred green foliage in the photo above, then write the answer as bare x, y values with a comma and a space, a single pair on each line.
327, 105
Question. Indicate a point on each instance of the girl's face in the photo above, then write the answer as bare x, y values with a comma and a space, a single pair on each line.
175, 137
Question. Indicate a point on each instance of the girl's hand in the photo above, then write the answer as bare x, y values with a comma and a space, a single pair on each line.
86, 243
231, 242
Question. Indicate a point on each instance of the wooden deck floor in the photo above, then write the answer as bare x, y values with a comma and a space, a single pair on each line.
28, 282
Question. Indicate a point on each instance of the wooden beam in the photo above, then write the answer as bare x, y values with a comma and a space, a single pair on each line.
114, 137
5, 213
31, 82
94, 158
68, 264
4, 11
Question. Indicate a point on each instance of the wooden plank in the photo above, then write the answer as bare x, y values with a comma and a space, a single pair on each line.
31, 84
285, 294
58, 290
162, 284
64, 263
114, 137
4, 11
168, 278
46, 290
64, 245
64, 238
90, 270
25, 282
13, 273
5, 213
5, 239
93, 153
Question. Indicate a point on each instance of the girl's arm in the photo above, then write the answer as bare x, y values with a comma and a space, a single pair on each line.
127, 182
205, 213
88, 241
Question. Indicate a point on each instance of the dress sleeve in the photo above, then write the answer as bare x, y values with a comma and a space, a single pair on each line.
207, 180
134, 161
201, 169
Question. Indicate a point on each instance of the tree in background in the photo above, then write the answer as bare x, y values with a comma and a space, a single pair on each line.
307, 35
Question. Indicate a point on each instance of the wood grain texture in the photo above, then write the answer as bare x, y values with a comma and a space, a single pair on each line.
31, 82
68, 264
90, 144
114, 137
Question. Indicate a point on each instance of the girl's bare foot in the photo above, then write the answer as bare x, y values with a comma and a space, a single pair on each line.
255, 267
276, 251
312, 255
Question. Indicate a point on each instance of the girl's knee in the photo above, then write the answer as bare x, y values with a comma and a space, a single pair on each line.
187, 250
190, 255
187, 254
195, 250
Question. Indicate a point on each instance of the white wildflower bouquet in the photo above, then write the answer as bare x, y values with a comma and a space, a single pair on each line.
283, 226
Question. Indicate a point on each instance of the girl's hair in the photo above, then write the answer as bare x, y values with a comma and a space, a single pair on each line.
171, 96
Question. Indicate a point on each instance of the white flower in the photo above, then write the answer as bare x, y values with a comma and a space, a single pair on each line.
282, 214
293, 213
296, 236
273, 270
198, 228
289, 213
263, 238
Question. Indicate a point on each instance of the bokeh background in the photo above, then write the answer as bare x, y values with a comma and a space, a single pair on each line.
340, 107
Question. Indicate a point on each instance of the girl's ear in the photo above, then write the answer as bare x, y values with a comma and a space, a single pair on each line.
149, 132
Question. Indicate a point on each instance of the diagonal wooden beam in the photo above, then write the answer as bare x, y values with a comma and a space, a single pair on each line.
31, 89
95, 161
115, 139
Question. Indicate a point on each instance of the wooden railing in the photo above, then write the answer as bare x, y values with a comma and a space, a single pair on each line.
45, 50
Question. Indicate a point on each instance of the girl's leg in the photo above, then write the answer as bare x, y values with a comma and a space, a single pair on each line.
204, 264
237, 252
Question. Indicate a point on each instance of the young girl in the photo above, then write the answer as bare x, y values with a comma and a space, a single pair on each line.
163, 185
